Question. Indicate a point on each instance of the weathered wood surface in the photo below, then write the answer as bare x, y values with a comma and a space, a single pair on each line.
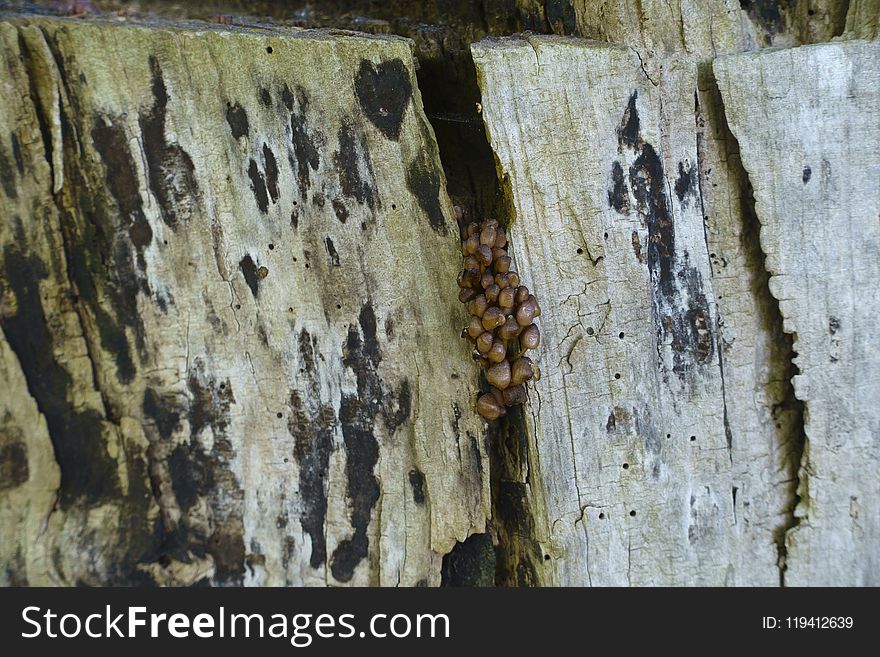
807, 124
660, 434
229, 330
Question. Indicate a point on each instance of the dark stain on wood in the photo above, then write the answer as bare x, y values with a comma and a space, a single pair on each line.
249, 270
681, 310
384, 92
423, 180
237, 119
417, 481
258, 186
470, 563
14, 469
7, 176
629, 130
806, 175
357, 415
271, 167
686, 183
121, 177
331, 252
312, 424
354, 167
170, 168
88, 472
340, 210
304, 156
210, 402
618, 195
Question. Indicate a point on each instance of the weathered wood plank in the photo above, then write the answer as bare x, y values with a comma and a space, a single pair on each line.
228, 311
645, 465
806, 121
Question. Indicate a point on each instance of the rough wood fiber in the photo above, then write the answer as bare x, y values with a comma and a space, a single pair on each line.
806, 121
229, 331
650, 462
701, 28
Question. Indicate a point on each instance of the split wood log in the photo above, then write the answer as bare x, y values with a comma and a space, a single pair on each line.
230, 346
806, 121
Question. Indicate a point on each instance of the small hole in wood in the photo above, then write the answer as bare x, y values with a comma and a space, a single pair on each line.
632, 513
338, 307
393, 206
546, 557
626, 466
617, 375
669, 435
621, 335
269, 49
279, 415
290, 310
238, 306
606, 236
693, 439
590, 330
271, 247
580, 251
601, 516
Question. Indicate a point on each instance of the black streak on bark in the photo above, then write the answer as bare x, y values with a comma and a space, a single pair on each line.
258, 185
305, 157
681, 310
88, 472
271, 173
354, 167
384, 93
249, 270
237, 119
618, 195
417, 481
357, 415
170, 168
423, 180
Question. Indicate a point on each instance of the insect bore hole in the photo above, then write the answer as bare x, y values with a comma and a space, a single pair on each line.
269, 49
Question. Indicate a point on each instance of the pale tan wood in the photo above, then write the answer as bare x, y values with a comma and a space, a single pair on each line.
806, 121
228, 311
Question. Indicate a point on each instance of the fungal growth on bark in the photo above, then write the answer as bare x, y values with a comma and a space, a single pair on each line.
502, 312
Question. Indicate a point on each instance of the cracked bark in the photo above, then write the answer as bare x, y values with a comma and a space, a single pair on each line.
736, 514
159, 430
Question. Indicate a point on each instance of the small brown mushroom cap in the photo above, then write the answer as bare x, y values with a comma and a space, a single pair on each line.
484, 255
513, 278
470, 245
489, 408
475, 327
530, 338
502, 262
515, 395
500, 238
497, 352
492, 318
505, 299
522, 293
521, 371
498, 375
478, 305
492, 292
487, 279
502, 280
484, 342
525, 313
466, 294
510, 329
534, 302
497, 394
487, 236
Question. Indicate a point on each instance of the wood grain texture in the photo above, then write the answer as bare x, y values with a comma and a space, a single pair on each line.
661, 435
230, 332
806, 122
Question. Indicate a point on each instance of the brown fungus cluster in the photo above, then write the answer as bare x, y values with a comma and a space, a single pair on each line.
502, 313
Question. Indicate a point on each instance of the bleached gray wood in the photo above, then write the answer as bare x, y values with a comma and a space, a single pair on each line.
807, 124
198, 351
625, 254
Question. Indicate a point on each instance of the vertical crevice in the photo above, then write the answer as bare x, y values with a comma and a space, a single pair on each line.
787, 411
